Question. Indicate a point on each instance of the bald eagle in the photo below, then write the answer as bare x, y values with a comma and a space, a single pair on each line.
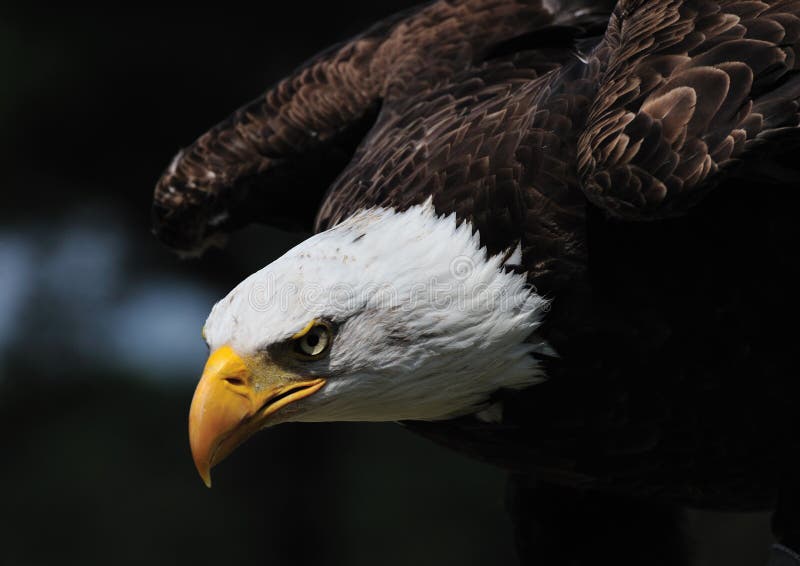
558, 235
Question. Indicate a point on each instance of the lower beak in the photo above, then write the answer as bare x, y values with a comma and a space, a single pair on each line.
228, 406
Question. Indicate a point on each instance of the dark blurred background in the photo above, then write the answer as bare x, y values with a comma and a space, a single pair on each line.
100, 343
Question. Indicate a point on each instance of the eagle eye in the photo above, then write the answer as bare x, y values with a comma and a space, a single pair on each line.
314, 342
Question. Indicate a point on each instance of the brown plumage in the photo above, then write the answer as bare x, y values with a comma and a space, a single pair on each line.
641, 154
671, 96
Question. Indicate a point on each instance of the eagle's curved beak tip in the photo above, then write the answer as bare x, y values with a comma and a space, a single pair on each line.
206, 477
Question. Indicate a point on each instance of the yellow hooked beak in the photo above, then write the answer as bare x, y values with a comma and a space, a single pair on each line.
231, 404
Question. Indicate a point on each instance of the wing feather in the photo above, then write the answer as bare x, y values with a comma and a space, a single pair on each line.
274, 158
688, 87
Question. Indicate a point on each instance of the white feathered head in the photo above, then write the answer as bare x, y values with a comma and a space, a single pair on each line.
386, 316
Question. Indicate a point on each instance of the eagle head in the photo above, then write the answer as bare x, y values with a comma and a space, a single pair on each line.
386, 316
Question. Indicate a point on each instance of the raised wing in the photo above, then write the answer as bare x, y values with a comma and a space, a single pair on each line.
273, 159
688, 88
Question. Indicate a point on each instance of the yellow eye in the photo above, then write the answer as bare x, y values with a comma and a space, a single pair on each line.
314, 342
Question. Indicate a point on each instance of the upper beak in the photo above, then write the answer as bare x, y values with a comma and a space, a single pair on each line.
230, 405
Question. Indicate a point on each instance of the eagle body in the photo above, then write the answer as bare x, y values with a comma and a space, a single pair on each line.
632, 162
